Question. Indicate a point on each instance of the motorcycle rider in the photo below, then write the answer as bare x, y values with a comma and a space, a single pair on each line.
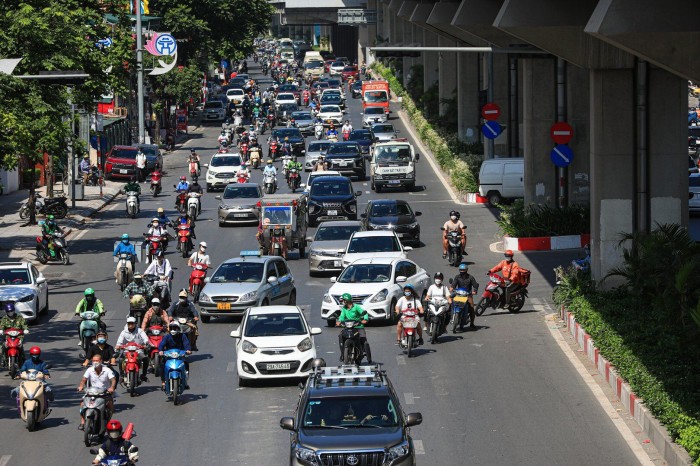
12, 319
251, 131
161, 268
158, 230
182, 185
183, 308
294, 165
351, 311
101, 378
90, 303
155, 316
439, 290
84, 169
162, 218
48, 229
125, 247
272, 144
184, 219
269, 169
468, 282
196, 188
321, 164
132, 334
408, 302
141, 162
511, 272
200, 256
138, 287
286, 148
134, 186
35, 363
332, 132
174, 339
454, 224
105, 350
346, 129
116, 445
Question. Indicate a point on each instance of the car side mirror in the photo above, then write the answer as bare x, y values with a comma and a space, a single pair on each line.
205, 165
361, 113
417, 156
358, 193
271, 280
217, 197
309, 239
235, 333
287, 423
41, 279
412, 419
400, 279
418, 214
206, 279
315, 331
408, 248
334, 279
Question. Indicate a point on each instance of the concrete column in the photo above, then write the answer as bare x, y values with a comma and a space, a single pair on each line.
447, 64
468, 96
430, 60
539, 113
407, 39
579, 117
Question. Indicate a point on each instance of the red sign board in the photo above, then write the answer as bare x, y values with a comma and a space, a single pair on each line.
562, 132
181, 114
491, 112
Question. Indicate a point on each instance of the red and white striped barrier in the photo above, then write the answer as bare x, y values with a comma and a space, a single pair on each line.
475, 198
546, 243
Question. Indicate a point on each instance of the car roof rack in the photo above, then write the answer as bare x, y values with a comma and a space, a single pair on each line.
349, 375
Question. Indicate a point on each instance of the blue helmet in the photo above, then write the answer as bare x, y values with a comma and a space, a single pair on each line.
9, 308
463, 266
125, 236
409, 286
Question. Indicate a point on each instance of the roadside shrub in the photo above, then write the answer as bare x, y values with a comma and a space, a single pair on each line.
519, 221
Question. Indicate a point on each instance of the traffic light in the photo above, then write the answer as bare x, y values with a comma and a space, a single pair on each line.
395, 54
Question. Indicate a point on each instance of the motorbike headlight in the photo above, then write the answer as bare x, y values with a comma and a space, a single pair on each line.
379, 297
248, 347
204, 298
305, 345
250, 296
306, 455
398, 451
327, 299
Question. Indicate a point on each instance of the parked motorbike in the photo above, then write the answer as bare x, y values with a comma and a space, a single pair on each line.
199, 273
155, 336
130, 366
184, 240
96, 415
89, 325
55, 251
32, 402
270, 183
124, 276
353, 349
454, 248
132, 203
156, 187
460, 301
494, 295
437, 315
55, 206
294, 180
14, 352
409, 322
175, 374
193, 205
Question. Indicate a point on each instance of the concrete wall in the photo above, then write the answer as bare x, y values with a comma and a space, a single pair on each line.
9, 180
447, 65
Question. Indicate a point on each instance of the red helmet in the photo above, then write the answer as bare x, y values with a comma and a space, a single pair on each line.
508, 253
183, 178
114, 425
35, 350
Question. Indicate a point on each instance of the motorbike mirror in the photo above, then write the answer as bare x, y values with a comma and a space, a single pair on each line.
413, 419
315, 331
287, 423
442, 228
235, 334
400, 279
449, 281
417, 156
309, 239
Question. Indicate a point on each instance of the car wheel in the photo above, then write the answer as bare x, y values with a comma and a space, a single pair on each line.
494, 198
45, 310
293, 298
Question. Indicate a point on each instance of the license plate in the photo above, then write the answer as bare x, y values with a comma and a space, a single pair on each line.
240, 215
123, 171
400, 235
333, 212
223, 306
343, 163
337, 264
394, 181
279, 366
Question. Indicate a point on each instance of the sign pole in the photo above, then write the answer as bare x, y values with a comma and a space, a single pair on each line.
490, 147
562, 172
139, 71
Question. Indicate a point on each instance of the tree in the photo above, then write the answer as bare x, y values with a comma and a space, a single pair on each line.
177, 87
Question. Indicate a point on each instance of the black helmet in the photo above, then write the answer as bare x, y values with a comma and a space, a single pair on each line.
455, 213
438, 275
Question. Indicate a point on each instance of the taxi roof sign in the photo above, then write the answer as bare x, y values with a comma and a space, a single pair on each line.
251, 253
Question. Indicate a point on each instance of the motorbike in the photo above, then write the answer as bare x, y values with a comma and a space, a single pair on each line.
346, 135
194, 167
184, 240
193, 205
277, 237
155, 336
130, 366
132, 203
460, 303
333, 137
55, 251
494, 295
273, 150
14, 353
89, 326
242, 177
161, 289
113, 460
154, 245
409, 322
124, 276
199, 273
181, 201
286, 159
293, 180
305, 100
270, 183
353, 349
271, 120
96, 415
156, 187
255, 157
244, 150
137, 308
437, 313
55, 206
454, 248
32, 401
175, 374
318, 131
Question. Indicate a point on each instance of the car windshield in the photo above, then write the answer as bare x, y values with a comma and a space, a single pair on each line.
376, 96
330, 188
286, 97
383, 129
288, 132
330, 109
241, 192
363, 244
335, 149
239, 272
322, 85
360, 135
274, 325
366, 273
335, 232
350, 412
278, 215
318, 146
374, 111
124, 153
390, 154
289, 107
14, 277
214, 104
393, 209
350, 68
334, 82
150, 151
330, 98
313, 64
302, 116
338, 63
226, 161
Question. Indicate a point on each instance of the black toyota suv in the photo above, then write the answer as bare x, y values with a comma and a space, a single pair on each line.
350, 415
346, 158
331, 198
296, 139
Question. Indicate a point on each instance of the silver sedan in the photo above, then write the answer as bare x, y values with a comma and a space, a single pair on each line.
328, 245
239, 204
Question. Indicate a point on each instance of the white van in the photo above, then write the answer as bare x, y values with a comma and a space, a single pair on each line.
502, 178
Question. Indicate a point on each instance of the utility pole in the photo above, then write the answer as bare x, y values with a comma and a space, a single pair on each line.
139, 71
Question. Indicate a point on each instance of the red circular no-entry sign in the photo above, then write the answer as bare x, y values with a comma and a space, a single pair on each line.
562, 132
490, 112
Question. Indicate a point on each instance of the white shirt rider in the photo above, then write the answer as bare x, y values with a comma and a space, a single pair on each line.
101, 381
156, 230
438, 291
138, 336
270, 169
199, 257
406, 304
347, 128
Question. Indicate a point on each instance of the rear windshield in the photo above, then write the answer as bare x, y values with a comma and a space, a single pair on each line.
318, 146
313, 64
330, 188
376, 96
382, 128
241, 192
374, 111
360, 135
364, 244
214, 104
342, 149
335, 232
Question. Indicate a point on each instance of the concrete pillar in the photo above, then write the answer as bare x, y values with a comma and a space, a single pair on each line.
468, 96
430, 60
407, 39
447, 64
579, 117
539, 113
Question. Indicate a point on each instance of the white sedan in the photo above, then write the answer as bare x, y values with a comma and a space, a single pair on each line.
331, 113
376, 284
22, 284
274, 342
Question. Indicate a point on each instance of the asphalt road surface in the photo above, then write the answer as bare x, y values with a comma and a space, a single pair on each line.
503, 394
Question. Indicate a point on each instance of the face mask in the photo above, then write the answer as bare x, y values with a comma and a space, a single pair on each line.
96, 364
101, 341
114, 435
173, 332
407, 293
182, 300
11, 315
509, 259
125, 241
463, 272
438, 282
35, 358
454, 218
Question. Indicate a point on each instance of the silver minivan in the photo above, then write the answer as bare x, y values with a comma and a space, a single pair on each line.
502, 178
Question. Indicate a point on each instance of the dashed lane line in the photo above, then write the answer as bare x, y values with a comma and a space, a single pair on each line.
418, 446
5, 460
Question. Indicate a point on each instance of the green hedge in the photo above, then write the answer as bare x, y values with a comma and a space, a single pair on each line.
519, 221
456, 158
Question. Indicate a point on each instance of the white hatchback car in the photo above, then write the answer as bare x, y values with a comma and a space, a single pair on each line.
21, 283
221, 170
376, 284
274, 342
375, 243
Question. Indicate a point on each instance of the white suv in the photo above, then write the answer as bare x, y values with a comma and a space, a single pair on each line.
285, 98
221, 170
22, 284
375, 243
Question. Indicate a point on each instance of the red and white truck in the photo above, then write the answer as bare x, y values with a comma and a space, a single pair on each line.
376, 94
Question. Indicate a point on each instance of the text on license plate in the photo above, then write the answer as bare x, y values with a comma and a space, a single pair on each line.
280, 366
223, 306
337, 264
333, 212
123, 171
343, 163
394, 181
240, 215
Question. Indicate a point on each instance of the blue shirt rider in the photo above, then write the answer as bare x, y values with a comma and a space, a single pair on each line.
35, 363
124, 247
183, 185
174, 339
270, 169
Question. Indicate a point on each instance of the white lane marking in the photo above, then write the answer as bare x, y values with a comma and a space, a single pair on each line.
80, 234
478, 345
63, 317
366, 192
597, 392
410, 399
5, 460
535, 300
330, 352
538, 307
401, 360
496, 247
418, 446
417, 194
364, 184
231, 366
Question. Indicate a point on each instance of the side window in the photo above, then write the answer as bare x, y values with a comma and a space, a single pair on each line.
35, 272
271, 270
401, 269
410, 269
513, 169
282, 269
493, 169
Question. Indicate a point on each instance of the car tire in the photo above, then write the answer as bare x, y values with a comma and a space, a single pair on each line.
293, 298
494, 198
45, 310
209, 188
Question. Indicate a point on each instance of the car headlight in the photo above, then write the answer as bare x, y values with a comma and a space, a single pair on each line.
211, 172
374, 226
379, 297
26, 299
248, 347
398, 451
413, 225
204, 298
352, 208
327, 298
250, 296
314, 253
306, 455
305, 344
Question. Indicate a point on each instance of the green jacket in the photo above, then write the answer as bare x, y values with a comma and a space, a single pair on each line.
17, 322
83, 306
354, 313
132, 187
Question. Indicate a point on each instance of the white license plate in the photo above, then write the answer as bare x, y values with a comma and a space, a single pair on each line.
394, 181
337, 264
279, 366
240, 215
123, 171
400, 235
333, 212
343, 163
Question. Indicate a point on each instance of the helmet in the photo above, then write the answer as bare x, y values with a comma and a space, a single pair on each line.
131, 320
160, 210
10, 307
155, 219
269, 161
463, 266
508, 253
454, 213
203, 244
155, 301
114, 425
89, 292
137, 276
192, 150
408, 286
159, 253
175, 325
346, 297
125, 236
183, 293
85, 156
50, 217
438, 275
183, 178
286, 138
35, 351
101, 332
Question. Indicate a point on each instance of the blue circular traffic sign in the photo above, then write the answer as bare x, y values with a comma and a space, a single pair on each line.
491, 129
562, 155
